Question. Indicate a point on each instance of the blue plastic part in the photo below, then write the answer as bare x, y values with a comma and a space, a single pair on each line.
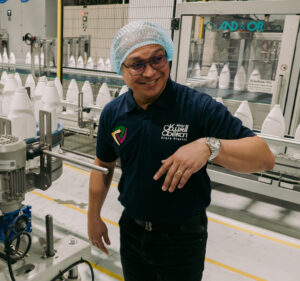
60, 128
11, 218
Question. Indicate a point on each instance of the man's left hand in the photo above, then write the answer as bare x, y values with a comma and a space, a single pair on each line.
186, 161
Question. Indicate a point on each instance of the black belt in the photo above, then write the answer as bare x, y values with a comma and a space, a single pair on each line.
158, 226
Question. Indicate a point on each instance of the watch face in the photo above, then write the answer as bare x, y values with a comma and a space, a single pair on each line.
215, 142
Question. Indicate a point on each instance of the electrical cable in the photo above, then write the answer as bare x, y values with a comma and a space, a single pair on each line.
6, 248
60, 274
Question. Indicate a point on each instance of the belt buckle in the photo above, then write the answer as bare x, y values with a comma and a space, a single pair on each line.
148, 225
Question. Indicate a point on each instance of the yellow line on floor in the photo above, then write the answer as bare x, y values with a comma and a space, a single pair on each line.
106, 271
235, 270
211, 219
116, 224
256, 233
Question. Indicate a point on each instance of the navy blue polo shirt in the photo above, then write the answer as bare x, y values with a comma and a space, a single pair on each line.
142, 138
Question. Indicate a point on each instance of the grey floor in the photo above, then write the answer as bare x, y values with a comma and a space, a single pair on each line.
251, 237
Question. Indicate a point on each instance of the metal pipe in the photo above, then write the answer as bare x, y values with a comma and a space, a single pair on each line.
59, 38
49, 236
76, 161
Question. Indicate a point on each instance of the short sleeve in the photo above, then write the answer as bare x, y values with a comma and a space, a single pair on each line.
104, 149
218, 122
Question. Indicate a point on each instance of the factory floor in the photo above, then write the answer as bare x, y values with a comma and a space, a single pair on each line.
251, 237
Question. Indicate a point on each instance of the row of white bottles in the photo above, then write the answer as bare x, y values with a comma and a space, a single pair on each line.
274, 125
101, 65
5, 59
223, 81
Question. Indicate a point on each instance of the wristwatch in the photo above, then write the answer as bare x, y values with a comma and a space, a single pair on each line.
214, 146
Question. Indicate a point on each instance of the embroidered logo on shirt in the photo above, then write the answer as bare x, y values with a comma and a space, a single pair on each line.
175, 132
119, 134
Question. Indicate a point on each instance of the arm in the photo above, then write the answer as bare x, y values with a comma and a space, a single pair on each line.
98, 189
244, 155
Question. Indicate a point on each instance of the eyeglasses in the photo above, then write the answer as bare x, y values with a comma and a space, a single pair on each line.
139, 67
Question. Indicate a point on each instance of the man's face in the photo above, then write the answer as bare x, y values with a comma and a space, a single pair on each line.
148, 85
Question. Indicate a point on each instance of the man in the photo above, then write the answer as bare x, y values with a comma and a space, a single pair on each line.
164, 134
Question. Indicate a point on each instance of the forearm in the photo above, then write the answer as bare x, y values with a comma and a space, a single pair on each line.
98, 189
245, 155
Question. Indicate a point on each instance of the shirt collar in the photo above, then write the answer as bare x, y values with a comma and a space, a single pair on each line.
165, 100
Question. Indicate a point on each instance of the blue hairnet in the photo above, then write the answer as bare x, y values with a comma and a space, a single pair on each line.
137, 34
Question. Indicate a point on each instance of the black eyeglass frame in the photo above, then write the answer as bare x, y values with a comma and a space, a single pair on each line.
144, 63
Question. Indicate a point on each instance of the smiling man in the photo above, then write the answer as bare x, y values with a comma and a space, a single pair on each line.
164, 133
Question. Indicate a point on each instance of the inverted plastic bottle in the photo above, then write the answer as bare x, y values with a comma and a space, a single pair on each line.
103, 96
274, 125
107, 65
28, 58
255, 75
212, 76
90, 63
87, 93
5, 56
12, 58
100, 64
38, 93
42, 59
239, 83
123, 90
196, 73
8, 93
21, 114
18, 79
36, 60
80, 63
72, 61
244, 114
3, 77
0, 58
224, 79
59, 87
51, 101
72, 92
31, 84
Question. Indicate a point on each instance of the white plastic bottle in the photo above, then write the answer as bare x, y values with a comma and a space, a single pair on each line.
100, 64
12, 58
224, 79
80, 63
239, 83
255, 75
72, 61
5, 56
38, 93
196, 70
3, 77
244, 114
18, 79
107, 65
212, 76
8, 93
31, 84
72, 92
21, 115
90, 63
103, 96
51, 101
0, 58
123, 90
28, 58
274, 125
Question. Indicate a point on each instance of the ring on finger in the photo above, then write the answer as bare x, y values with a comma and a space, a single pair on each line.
179, 173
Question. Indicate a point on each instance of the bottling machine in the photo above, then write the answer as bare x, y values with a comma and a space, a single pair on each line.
258, 44
24, 253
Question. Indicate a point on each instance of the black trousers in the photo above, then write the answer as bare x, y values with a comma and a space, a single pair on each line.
169, 252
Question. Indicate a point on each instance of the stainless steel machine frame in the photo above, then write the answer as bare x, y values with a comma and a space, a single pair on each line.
283, 182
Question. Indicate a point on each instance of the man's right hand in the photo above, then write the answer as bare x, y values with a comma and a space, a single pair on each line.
98, 234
